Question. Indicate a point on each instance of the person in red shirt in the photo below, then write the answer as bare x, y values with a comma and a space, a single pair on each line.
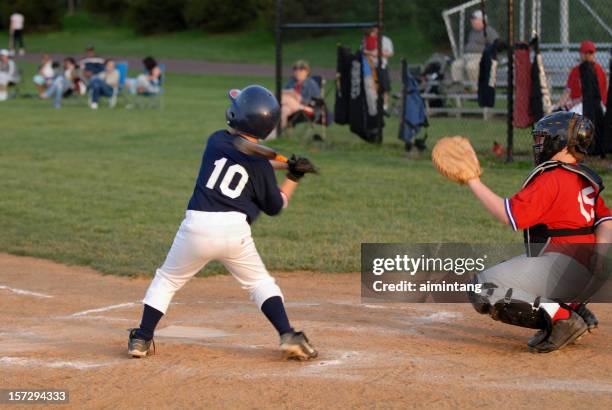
567, 225
572, 96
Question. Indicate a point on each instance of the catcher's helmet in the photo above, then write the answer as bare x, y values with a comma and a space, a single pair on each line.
559, 130
253, 111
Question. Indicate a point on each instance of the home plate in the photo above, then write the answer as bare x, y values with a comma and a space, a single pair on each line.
187, 332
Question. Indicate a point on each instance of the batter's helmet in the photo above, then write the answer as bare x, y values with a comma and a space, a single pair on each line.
559, 130
253, 111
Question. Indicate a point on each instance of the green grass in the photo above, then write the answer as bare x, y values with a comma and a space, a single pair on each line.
254, 46
108, 188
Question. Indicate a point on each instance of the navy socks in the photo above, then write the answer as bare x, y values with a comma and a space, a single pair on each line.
150, 319
274, 310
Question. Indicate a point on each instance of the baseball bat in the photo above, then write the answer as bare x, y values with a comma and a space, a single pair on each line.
251, 148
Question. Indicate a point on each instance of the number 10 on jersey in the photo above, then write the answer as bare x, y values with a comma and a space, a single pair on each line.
227, 179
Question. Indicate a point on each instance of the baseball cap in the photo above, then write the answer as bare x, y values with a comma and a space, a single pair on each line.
477, 15
4, 52
587, 46
301, 65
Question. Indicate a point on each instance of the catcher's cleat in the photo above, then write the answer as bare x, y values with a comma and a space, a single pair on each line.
538, 338
589, 318
138, 347
295, 346
563, 332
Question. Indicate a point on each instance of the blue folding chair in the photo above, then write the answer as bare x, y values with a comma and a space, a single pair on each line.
122, 67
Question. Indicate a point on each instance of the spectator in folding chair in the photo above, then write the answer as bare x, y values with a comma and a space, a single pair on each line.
91, 65
104, 84
9, 74
63, 83
299, 93
45, 74
149, 82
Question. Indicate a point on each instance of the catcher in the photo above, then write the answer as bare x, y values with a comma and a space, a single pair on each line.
561, 213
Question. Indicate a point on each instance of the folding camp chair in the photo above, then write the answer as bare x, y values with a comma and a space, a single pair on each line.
122, 67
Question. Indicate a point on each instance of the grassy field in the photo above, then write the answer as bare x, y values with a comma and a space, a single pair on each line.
108, 188
255, 46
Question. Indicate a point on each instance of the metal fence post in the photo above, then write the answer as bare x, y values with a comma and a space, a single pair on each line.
380, 102
510, 125
279, 56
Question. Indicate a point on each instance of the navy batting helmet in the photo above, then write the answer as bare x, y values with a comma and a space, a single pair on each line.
253, 111
559, 130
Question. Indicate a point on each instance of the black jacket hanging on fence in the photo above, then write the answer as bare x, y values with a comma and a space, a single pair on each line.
351, 106
608, 118
343, 85
591, 106
487, 75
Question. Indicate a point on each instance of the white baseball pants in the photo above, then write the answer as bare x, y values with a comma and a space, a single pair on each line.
206, 236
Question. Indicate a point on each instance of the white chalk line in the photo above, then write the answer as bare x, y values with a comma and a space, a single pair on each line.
25, 292
98, 317
104, 309
57, 364
442, 316
590, 386
341, 365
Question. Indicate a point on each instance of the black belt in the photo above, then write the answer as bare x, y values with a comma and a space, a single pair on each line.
587, 230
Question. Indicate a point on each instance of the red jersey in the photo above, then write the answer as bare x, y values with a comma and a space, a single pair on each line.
560, 199
370, 42
575, 86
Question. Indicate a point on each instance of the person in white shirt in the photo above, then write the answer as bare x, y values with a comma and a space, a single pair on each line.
45, 74
370, 49
16, 33
8, 73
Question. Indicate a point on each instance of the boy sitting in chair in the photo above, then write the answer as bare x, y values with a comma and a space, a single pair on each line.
299, 92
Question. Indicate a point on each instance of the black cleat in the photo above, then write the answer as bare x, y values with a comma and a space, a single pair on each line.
589, 318
138, 347
295, 345
563, 332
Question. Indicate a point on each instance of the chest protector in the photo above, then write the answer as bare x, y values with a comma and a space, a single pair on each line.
537, 236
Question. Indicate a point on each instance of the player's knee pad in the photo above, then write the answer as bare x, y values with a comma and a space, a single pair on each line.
263, 290
481, 301
519, 313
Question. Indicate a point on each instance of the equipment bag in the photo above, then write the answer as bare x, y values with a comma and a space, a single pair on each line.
414, 115
522, 89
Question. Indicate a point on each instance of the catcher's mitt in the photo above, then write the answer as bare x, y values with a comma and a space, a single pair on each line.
455, 158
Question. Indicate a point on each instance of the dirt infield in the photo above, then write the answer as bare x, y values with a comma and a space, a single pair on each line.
64, 328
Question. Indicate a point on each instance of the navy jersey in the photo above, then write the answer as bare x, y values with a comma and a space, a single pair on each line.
232, 181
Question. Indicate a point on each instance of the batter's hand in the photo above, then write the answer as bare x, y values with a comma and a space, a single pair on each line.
298, 166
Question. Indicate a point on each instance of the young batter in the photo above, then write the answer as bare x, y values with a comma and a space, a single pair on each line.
566, 224
231, 190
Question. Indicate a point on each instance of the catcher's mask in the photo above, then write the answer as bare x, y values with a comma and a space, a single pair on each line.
559, 130
253, 111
